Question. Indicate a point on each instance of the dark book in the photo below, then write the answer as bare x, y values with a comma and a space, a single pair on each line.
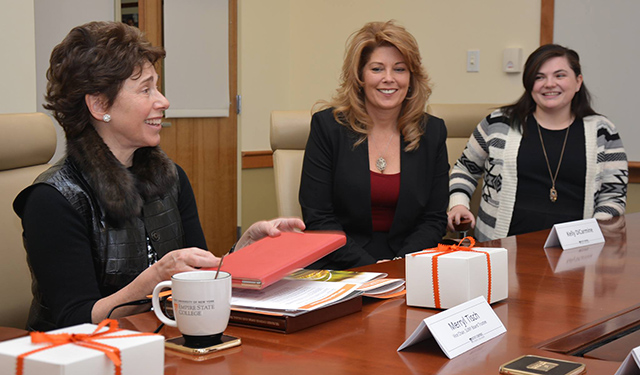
288, 324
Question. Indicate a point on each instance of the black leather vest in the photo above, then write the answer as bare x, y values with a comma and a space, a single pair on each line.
119, 251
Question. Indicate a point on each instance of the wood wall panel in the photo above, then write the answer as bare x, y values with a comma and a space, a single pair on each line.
206, 148
546, 21
150, 20
257, 159
634, 172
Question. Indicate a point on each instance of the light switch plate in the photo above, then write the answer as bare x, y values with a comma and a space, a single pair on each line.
473, 60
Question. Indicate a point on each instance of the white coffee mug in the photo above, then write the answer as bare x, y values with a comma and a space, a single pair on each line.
201, 305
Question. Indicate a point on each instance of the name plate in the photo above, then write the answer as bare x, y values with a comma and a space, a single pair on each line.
575, 234
460, 328
631, 364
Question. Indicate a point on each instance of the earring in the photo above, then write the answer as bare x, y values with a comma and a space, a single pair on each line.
106, 117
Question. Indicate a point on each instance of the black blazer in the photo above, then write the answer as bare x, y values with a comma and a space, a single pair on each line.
335, 191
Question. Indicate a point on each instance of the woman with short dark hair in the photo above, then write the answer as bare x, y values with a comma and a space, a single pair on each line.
115, 216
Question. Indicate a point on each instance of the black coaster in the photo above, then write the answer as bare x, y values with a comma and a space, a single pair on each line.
202, 341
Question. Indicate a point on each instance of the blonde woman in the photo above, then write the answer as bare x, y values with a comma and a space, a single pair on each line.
375, 164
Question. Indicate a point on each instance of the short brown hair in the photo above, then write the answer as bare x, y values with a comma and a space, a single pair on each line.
94, 58
349, 101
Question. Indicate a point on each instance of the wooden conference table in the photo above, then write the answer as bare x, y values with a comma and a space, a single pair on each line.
556, 303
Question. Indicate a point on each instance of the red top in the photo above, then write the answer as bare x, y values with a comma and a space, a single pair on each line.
385, 189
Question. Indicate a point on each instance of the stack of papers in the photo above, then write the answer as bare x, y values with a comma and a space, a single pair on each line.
307, 290
293, 297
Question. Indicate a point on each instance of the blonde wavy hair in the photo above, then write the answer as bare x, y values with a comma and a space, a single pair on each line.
349, 100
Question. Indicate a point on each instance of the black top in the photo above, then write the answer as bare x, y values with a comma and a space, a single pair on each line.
533, 209
59, 249
335, 192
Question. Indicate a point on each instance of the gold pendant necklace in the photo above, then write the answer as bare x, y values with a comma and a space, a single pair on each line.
553, 193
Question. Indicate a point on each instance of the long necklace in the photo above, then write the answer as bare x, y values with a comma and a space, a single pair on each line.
381, 163
553, 193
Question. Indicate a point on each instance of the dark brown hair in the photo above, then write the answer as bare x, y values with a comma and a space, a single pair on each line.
525, 106
94, 58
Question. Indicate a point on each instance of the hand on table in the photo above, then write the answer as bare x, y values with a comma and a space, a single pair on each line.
457, 215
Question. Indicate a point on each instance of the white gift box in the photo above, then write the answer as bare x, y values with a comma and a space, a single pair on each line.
139, 354
462, 276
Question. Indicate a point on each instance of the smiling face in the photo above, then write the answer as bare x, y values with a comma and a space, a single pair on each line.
386, 80
555, 86
136, 115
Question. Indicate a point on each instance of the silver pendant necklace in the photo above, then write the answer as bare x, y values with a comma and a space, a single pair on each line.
381, 163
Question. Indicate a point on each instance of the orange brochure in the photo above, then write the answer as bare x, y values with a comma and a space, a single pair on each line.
272, 258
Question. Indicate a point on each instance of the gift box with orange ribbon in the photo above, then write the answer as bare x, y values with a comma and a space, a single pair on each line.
449, 275
102, 349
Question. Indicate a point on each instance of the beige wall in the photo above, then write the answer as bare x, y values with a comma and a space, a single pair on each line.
258, 196
633, 198
18, 62
291, 51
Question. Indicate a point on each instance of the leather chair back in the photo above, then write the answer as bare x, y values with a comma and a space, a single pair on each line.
27, 143
461, 121
289, 133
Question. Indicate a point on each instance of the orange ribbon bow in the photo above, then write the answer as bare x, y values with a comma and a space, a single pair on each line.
82, 339
448, 249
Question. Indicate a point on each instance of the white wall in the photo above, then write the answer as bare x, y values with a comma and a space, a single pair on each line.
605, 35
53, 21
18, 63
29, 29
291, 51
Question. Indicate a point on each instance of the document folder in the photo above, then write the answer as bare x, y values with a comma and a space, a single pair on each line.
272, 258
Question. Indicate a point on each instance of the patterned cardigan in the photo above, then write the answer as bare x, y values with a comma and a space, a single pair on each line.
492, 153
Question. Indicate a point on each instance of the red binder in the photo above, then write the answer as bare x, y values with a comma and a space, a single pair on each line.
270, 259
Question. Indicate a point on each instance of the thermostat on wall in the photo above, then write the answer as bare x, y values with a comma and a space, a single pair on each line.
512, 60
